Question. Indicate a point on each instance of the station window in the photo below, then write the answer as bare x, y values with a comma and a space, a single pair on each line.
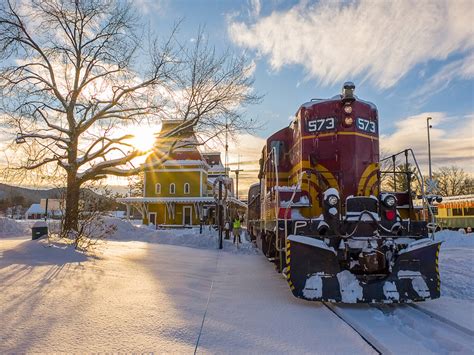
158, 189
187, 188
172, 188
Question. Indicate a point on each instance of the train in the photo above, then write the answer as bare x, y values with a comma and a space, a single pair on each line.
320, 213
455, 212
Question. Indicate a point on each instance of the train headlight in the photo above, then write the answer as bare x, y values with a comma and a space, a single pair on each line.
332, 200
390, 201
348, 121
348, 109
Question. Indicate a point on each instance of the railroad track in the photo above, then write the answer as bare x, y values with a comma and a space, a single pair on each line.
395, 328
441, 319
378, 347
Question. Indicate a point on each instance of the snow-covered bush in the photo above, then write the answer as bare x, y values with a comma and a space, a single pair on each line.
92, 228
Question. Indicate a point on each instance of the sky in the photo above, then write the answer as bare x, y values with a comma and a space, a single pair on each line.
413, 59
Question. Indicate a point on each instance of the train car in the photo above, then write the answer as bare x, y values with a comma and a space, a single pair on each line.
455, 212
253, 210
323, 219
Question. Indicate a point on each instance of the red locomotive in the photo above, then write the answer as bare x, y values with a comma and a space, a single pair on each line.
319, 213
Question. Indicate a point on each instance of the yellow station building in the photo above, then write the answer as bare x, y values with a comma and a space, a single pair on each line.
180, 191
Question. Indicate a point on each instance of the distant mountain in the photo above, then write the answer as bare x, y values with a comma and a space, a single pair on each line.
30, 196
121, 189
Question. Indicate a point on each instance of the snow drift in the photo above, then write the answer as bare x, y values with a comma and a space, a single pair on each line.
189, 237
452, 239
11, 228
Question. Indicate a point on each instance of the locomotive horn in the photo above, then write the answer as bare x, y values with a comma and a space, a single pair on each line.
348, 92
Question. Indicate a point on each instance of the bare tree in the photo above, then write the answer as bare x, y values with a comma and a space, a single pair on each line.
74, 71
453, 181
136, 184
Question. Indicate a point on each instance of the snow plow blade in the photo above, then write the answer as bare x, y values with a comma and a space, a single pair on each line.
313, 273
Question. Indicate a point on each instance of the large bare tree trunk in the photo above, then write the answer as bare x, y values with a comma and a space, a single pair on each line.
71, 218
73, 185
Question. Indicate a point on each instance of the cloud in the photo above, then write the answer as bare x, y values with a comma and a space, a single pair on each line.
452, 140
379, 41
458, 69
250, 69
255, 8
148, 6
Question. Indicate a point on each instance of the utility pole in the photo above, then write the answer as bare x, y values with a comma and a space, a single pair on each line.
237, 171
219, 214
226, 156
428, 126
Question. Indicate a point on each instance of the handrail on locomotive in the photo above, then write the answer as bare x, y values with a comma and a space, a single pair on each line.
426, 204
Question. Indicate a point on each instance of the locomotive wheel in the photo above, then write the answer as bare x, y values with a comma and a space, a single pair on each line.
262, 243
270, 245
272, 252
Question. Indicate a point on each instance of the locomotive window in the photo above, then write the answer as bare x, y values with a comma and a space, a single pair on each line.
469, 211
321, 124
366, 125
457, 211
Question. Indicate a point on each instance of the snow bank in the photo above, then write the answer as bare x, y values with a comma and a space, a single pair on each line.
126, 231
455, 239
11, 228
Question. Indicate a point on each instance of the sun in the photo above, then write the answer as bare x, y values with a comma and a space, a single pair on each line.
144, 138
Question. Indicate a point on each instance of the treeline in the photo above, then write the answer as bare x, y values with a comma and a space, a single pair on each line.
450, 180
13, 206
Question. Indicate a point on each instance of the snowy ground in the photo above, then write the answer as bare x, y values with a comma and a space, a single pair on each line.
147, 292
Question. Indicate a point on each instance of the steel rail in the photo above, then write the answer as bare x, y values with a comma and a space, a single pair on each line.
367, 337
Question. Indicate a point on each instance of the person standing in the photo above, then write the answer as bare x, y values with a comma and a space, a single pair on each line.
236, 230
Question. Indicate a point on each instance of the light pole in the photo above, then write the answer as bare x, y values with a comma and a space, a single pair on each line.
430, 184
237, 171
428, 126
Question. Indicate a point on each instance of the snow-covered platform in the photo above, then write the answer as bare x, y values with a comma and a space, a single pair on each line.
143, 297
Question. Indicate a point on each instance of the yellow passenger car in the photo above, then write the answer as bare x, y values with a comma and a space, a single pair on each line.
456, 212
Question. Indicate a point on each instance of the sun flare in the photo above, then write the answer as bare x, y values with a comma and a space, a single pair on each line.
144, 138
